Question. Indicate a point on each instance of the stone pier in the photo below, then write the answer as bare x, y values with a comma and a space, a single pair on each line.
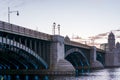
112, 59
58, 62
93, 62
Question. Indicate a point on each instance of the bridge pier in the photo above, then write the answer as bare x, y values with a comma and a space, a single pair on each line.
93, 61
112, 59
57, 60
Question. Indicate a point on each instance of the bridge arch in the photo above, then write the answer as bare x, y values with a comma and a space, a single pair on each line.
75, 50
100, 58
77, 58
21, 50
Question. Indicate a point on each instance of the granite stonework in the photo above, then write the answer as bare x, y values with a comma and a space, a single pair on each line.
58, 62
57, 57
112, 56
93, 61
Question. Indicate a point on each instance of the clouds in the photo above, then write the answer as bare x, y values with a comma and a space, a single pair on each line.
82, 17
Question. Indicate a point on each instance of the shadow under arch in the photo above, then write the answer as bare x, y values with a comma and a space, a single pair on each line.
9, 62
77, 58
100, 58
21, 50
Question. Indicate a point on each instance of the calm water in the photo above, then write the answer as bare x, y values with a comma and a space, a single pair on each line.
104, 74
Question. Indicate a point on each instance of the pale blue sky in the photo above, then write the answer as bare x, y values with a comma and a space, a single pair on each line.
76, 17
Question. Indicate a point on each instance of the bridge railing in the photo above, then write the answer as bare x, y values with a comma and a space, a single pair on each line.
100, 50
7, 27
77, 44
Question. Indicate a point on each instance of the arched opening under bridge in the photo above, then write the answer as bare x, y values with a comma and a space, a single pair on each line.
18, 57
77, 58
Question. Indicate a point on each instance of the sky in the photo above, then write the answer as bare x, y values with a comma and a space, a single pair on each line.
83, 18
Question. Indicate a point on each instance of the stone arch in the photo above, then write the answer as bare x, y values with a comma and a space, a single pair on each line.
22, 48
100, 58
78, 59
74, 50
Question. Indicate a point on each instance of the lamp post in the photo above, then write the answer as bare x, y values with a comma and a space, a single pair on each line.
58, 29
54, 28
11, 12
54, 24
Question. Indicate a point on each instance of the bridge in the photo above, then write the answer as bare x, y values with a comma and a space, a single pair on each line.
24, 52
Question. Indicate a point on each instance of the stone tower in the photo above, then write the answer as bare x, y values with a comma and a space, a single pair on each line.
112, 57
111, 41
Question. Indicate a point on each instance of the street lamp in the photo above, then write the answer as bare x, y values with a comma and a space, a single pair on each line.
54, 24
59, 29
54, 28
11, 12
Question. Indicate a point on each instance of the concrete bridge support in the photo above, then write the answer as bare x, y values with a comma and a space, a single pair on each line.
57, 54
93, 62
112, 59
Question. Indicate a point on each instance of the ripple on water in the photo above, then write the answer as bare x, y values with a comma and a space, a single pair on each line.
104, 74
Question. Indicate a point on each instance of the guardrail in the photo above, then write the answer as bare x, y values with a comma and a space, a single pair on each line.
73, 43
77, 44
7, 27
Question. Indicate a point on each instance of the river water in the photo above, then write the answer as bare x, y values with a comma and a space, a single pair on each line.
103, 74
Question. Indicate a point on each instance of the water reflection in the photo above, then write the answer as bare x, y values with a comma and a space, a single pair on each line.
104, 74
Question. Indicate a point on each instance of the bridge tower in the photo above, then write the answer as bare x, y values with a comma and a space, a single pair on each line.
57, 56
111, 41
111, 56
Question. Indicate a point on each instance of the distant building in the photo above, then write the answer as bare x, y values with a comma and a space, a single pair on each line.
104, 46
111, 46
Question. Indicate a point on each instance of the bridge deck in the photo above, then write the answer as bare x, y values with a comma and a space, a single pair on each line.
77, 44
15, 29
73, 43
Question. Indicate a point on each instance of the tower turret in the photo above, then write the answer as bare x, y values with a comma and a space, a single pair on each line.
111, 41
118, 45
